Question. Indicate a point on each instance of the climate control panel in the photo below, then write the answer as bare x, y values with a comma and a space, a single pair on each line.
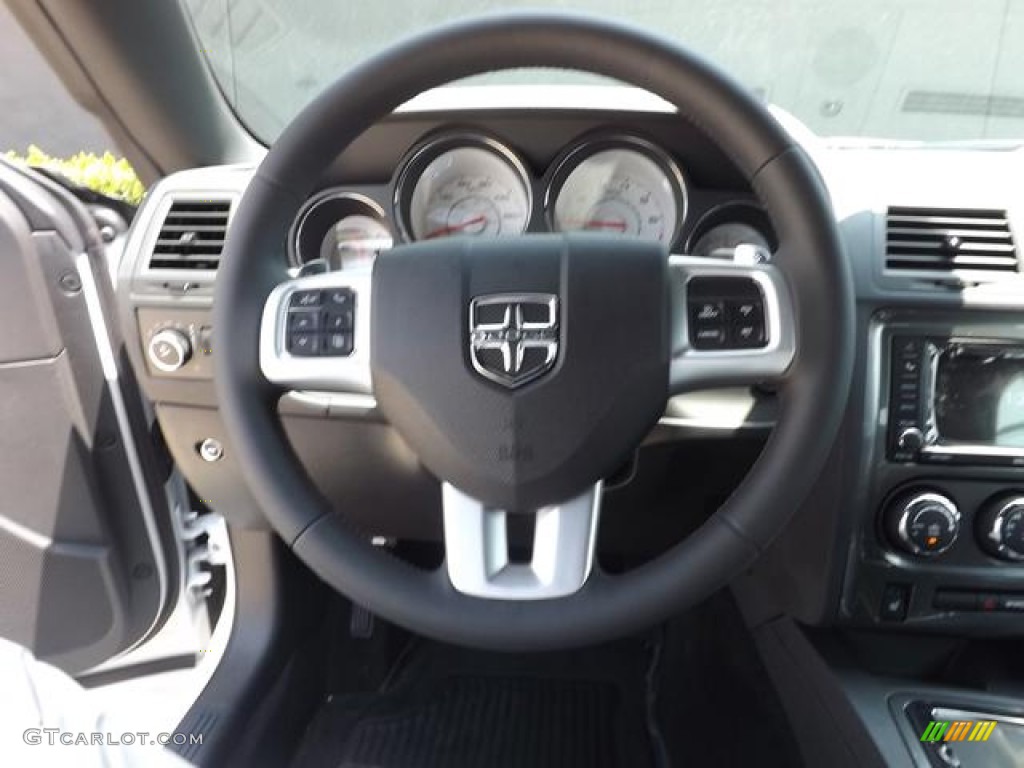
925, 522
946, 552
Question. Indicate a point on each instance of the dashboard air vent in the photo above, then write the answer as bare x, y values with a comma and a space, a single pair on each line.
948, 240
192, 235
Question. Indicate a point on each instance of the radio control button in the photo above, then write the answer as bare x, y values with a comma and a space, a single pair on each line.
911, 439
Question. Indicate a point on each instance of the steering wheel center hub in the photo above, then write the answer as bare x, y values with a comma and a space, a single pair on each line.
523, 370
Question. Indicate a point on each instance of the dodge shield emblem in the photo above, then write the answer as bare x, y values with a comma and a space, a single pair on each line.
513, 338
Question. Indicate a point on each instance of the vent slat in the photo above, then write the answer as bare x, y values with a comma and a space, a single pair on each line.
192, 235
949, 240
994, 233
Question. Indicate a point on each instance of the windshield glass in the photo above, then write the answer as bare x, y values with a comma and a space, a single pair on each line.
927, 70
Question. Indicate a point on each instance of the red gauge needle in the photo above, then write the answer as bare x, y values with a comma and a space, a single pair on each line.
605, 224
452, 228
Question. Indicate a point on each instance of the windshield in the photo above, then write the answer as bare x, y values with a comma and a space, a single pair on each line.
926, 70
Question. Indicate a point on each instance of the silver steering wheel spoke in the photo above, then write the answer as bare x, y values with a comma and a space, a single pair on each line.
732, 324
477, 548
315, 333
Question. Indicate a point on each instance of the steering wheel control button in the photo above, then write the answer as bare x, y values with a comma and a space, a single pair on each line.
303, 322
304, 344
923, 523
338, 320
895, 602
708, 312
710, 337
169, 350
338, 344
1000, 528
339, 300
746, 323
305, 299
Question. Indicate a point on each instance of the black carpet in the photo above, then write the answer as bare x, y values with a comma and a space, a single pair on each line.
454, 708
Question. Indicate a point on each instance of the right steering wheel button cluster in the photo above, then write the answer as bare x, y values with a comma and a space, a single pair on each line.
725, 313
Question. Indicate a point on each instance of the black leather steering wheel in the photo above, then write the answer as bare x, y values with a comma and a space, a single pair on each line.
600, 369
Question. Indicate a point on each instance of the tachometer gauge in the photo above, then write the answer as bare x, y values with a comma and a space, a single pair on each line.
354, 242
467, 186
621, 187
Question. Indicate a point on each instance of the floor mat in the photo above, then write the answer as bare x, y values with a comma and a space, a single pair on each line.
454, 708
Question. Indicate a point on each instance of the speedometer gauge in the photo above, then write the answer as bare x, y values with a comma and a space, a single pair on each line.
624, 188
467, 186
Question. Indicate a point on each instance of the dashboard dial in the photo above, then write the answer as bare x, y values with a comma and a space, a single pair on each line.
734, 231
345, 229
354, 242
621, 190
721, 241
478, 190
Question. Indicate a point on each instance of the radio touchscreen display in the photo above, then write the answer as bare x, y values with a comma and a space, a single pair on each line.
979, 395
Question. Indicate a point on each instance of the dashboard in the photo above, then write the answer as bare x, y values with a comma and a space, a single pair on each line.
932, 236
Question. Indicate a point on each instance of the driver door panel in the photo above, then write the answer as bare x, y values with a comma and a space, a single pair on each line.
88, 564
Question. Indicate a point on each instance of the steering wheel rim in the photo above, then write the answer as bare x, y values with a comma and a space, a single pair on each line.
812, 396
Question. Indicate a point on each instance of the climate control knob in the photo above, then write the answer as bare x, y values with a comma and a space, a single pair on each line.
923, 523
169, 350
1001, 528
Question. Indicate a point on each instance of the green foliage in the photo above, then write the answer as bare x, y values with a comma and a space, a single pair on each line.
105, 174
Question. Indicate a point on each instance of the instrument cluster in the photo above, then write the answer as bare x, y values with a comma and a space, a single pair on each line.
472, 185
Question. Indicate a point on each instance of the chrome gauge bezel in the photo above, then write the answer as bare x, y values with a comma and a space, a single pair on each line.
745, 212
583, 148
416, 161
352, 204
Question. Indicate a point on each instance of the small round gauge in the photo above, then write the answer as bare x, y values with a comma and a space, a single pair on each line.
628, 189
725, 229
471, 187
345, 229
720, 242
354, 242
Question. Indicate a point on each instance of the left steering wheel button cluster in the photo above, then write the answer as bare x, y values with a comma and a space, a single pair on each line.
321, 323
